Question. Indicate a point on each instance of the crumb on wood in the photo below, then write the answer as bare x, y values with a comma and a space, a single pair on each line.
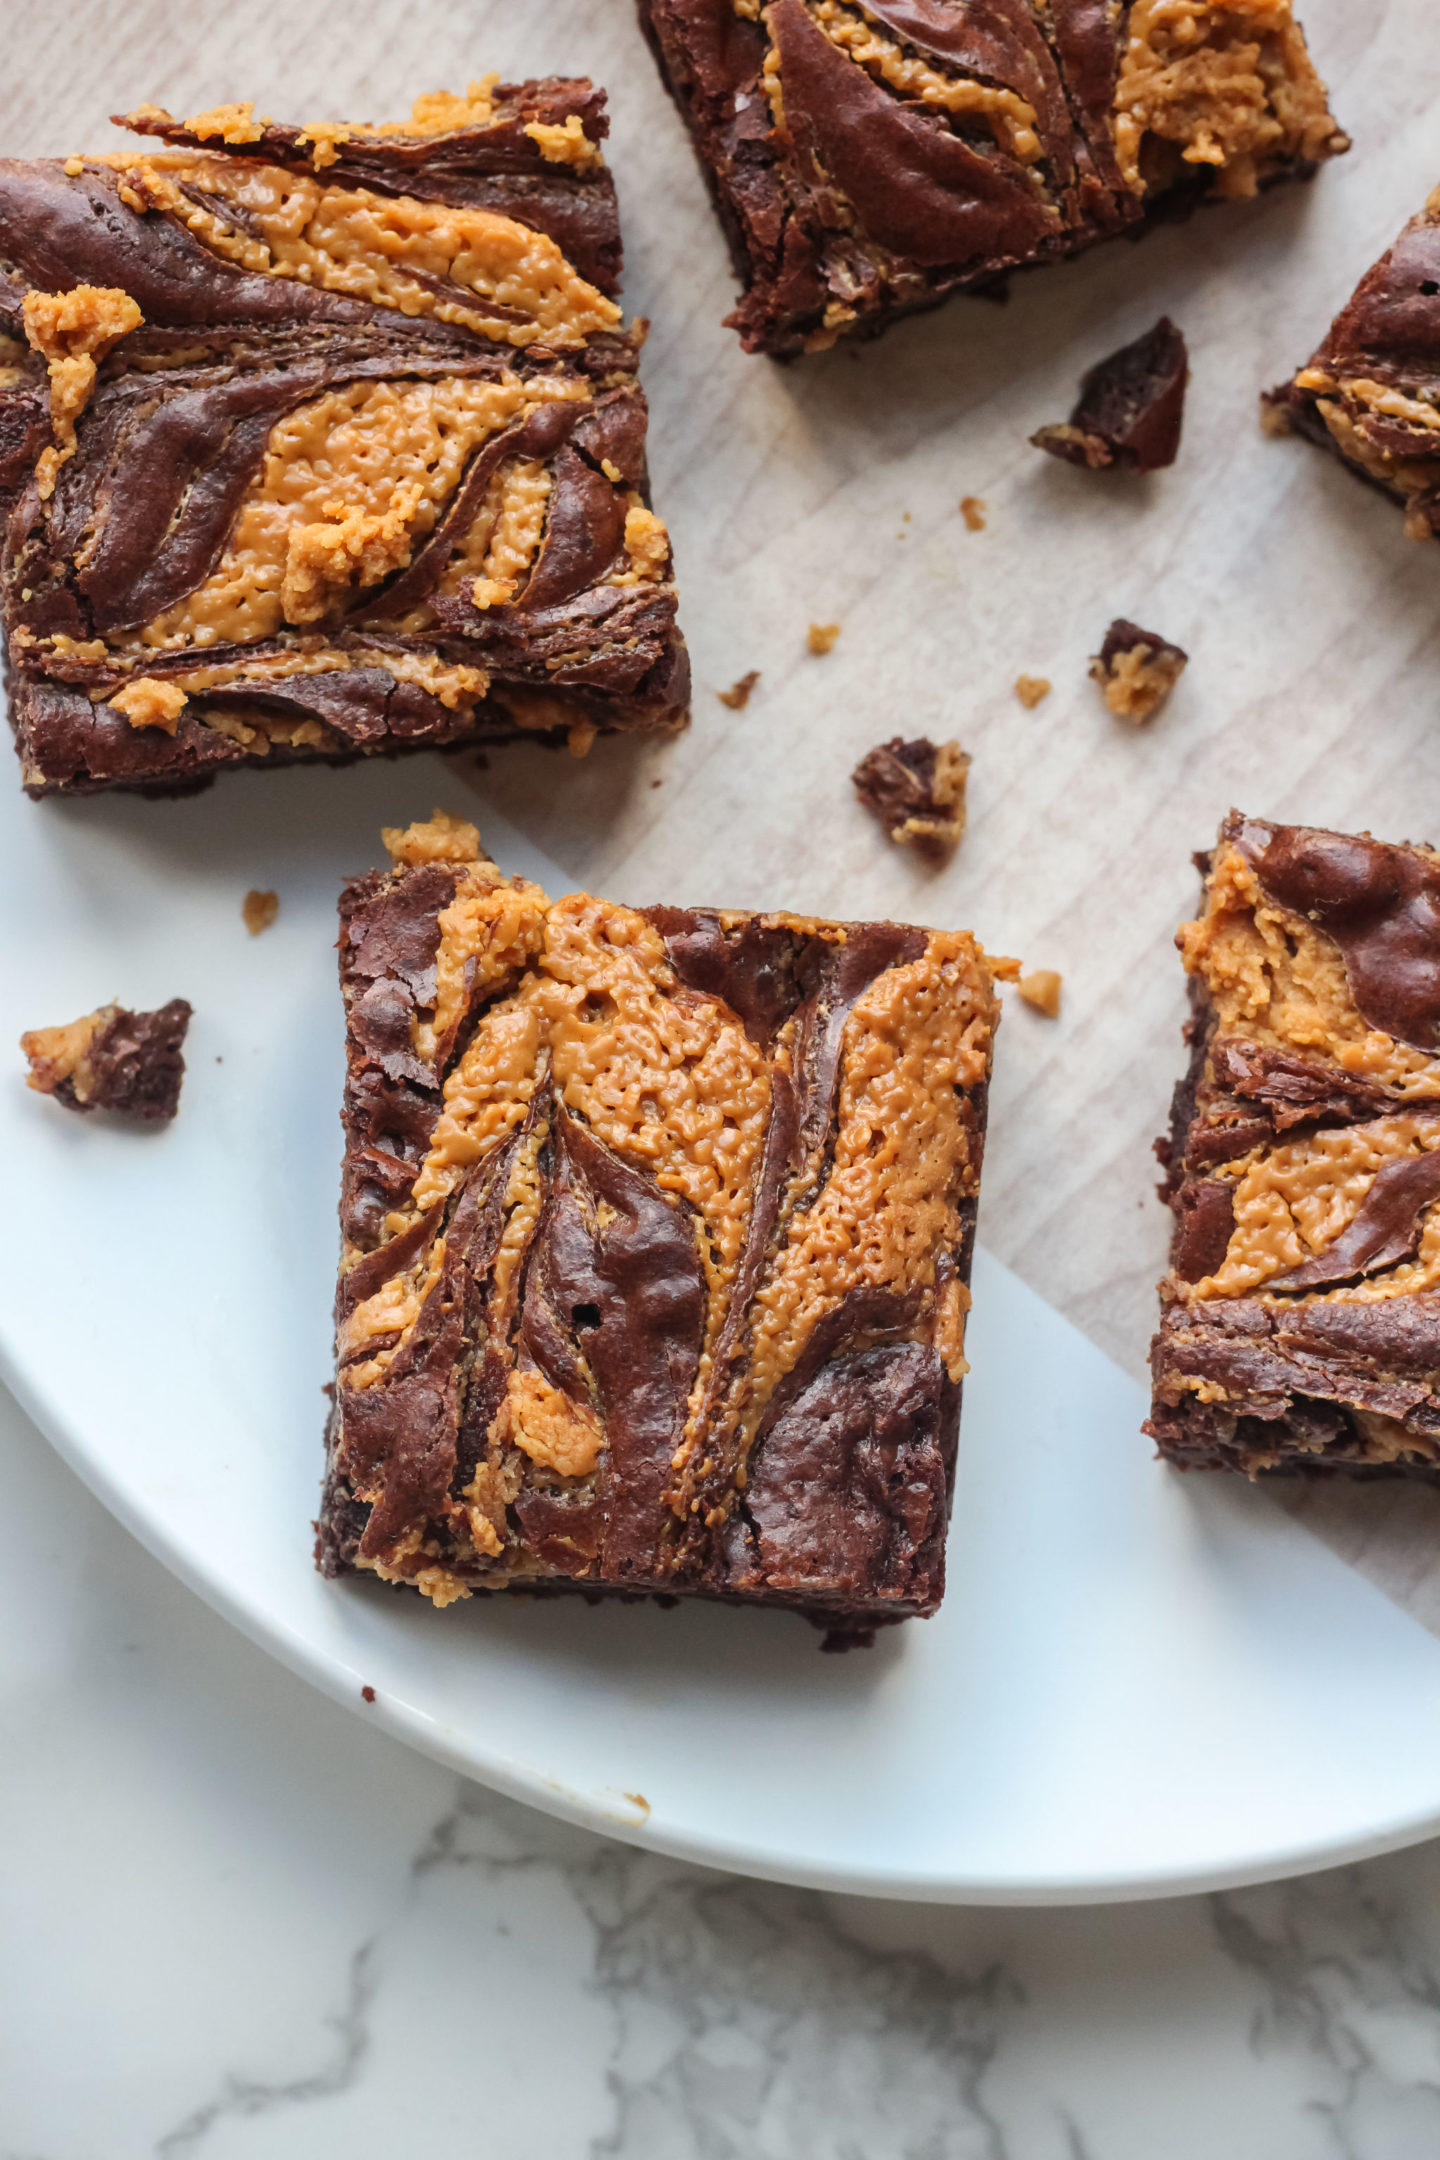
657, 783
737, 697
260, 910
1136, 671
1030, 689
1042, 990
822, 636
917, 791
972, 509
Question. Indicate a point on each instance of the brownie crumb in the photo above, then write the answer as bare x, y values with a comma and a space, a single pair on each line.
113, 1059
1042, 990
1136, 670
1130, 409
368, 1694
822, 635
1030, 689
917, 791
737, 697
972, 509
260, 910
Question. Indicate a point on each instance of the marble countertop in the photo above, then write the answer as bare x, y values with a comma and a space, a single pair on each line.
236, 1923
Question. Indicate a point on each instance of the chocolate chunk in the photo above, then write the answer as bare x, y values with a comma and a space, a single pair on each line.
579, 1344
1204, 1220
1129, 412
917, 791
113, 1059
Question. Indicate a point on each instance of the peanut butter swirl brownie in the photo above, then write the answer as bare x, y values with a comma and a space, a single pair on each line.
1301, 1316
1371, 394
657, 1230
322, 441
868, 157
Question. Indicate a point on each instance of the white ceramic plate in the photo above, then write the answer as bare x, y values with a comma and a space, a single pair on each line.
1137, 1683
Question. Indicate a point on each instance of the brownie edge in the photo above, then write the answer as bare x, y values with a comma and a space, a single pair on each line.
1300, 1318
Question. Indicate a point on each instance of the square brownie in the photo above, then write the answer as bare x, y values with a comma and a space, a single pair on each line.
1300, 1328
867, 157
318, 442
1371, 394
656, 1240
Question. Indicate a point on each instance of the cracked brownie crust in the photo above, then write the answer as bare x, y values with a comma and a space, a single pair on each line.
1300, 1327
657, 1230
321, 442
867, 157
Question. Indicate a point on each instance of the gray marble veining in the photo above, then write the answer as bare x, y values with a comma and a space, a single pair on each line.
240, 1924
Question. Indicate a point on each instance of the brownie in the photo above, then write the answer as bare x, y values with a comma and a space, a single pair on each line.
1136, 670
1371, 394
1300, 1323
868, 160
917, 791
656, 1235
321, 442
113, 1059
1130, 409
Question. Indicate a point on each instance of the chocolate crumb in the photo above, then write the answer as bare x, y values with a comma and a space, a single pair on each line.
1130, 409
917, 791
1136, 670
1030, 689
737, 697
821, 636
113, 1059
1042, 990
260, 910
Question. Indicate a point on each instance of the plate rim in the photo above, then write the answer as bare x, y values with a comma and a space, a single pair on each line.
499, 1773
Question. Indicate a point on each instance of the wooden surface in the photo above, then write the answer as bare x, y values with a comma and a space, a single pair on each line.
830, 491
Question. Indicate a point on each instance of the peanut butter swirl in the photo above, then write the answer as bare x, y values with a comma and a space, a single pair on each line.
644, 1184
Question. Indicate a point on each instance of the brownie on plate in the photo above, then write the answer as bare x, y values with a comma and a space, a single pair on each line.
656, 1236
1371, 394
1300, 1329
323, 441
867, 157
